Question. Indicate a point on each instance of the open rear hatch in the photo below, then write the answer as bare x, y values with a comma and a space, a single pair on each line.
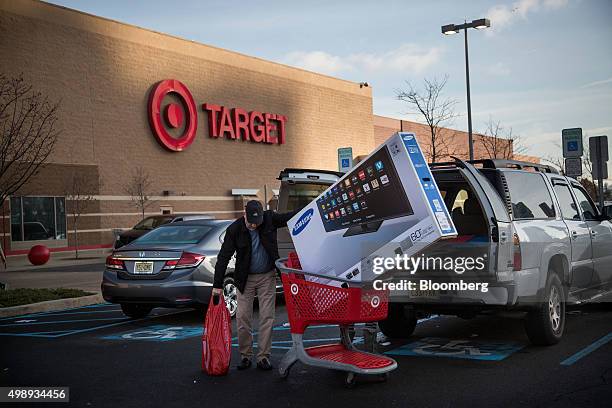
298, 188
482, 222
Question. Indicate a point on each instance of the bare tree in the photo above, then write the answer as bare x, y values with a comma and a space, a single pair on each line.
79, 191
28, 127
499, 142
437, 111
139, 190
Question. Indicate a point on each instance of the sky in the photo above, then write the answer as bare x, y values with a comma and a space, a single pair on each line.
542, 66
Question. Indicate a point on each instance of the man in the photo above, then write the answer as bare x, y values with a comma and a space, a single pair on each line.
253, 238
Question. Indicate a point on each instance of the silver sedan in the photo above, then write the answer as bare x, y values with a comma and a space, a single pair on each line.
170, 266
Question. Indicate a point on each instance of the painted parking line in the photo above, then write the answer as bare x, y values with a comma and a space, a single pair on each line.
56, 312
165, 333
286, 344
587, 350
457, 348
158, 333
24, 321
30, 323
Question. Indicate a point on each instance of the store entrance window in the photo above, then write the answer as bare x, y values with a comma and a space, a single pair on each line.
38, 218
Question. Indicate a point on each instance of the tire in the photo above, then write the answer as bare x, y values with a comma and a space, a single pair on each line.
350, 380
135, 311
400, 322
230, 293
545, 324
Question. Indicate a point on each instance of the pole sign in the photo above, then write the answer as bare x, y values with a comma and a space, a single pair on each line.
598, 146
572, 142
573, 167
345, 159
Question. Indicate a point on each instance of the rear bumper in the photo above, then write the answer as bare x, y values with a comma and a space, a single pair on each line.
495, 295
179, 289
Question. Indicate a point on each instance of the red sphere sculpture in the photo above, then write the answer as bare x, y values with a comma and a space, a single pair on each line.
39, 255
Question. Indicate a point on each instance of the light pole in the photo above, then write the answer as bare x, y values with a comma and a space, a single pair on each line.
453, 29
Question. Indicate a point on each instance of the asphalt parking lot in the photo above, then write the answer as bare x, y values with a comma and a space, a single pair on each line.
108, 360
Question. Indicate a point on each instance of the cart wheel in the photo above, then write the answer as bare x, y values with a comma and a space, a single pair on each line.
350, 380
284, 372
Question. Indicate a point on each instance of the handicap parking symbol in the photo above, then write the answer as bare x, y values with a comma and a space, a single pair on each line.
465, 349
158, 333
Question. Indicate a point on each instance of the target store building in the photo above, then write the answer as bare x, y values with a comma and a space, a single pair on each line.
210, 127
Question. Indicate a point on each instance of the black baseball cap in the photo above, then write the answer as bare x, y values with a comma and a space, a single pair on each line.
254, 212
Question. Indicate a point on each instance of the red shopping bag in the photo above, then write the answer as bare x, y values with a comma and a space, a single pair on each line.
217, 338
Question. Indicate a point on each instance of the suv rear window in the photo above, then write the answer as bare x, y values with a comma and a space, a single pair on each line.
300, 195
529, 196
150, 223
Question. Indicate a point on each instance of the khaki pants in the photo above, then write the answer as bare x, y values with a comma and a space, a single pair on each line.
264, 286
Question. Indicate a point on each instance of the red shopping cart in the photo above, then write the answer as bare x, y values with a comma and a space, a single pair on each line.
311, 303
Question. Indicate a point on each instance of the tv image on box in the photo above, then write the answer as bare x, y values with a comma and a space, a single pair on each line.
368, 195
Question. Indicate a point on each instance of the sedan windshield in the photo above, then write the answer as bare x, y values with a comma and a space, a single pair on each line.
150, 223
184, 234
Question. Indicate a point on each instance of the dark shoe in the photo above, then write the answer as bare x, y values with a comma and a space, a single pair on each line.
244, 364
264, 364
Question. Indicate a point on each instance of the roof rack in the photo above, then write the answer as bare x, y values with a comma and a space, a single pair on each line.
503, 163
286, 171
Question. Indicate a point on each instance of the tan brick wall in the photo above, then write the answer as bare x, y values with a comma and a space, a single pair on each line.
456, 140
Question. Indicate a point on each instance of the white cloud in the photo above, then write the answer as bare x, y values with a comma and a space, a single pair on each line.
555, 4
406, 58
317, 61
597, 83
498, 69
503, 16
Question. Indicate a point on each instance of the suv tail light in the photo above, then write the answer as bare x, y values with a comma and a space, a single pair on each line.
114, 263
517, 259
188, 260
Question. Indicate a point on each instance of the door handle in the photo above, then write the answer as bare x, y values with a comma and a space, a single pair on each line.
593, 234
574, 234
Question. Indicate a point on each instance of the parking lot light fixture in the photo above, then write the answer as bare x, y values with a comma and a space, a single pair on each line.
450, 29
481, 23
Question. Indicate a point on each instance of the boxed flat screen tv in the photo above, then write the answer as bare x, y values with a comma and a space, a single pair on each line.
387, 205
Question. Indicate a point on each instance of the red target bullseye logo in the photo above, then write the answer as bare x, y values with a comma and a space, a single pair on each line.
174, 115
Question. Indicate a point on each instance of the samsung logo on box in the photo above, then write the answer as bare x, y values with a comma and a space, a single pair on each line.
302, 222
408, 137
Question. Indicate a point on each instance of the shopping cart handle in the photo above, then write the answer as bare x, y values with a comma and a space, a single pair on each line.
280, 264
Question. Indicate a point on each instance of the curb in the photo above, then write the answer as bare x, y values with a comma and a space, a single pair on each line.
57, 263
51, 305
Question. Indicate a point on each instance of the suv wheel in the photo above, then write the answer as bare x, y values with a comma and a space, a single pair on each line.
135, 311
545, 324
400, 322
230, 293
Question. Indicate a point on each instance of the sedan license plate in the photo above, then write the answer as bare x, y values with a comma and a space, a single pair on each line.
143, 267
424, 294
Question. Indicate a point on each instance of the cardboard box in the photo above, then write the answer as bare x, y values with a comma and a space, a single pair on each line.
387, 204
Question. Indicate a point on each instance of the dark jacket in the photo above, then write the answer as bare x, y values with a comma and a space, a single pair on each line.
238, 240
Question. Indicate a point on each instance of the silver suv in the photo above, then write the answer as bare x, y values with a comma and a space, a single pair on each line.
543, 243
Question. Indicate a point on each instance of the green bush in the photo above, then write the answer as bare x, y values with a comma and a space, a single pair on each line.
16, 297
